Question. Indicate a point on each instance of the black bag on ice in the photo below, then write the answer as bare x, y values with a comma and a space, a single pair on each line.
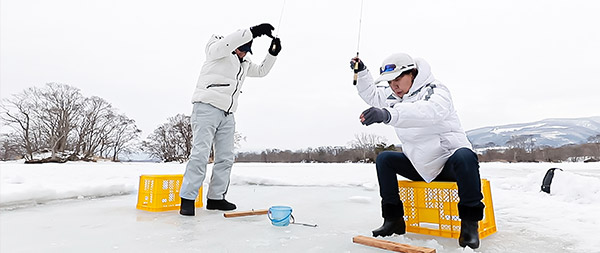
548, 180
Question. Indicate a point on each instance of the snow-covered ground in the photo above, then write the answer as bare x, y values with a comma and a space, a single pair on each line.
90, 207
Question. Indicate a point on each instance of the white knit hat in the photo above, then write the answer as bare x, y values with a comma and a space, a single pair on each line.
394, 65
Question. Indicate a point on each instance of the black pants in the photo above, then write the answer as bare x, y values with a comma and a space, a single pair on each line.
462, 167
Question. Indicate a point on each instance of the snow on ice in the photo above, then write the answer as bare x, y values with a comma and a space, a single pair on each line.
90, 207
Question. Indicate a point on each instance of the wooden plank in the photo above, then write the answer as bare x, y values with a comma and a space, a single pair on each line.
388, 245
245, 213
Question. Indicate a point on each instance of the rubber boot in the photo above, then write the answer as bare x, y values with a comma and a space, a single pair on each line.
469, 236
220, 204
390, 227
187, 208
393, 221
469, 218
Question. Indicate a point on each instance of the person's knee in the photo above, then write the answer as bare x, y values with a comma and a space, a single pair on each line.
224, 160
383, 157
198, 159
466, 155
465, 159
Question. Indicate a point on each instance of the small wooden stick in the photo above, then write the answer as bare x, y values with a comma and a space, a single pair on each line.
245, 213
393, 246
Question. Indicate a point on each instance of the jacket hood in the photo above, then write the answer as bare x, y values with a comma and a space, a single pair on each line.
423, 77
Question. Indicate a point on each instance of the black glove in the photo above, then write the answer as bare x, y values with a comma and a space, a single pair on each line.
262, 29
275, 47
361, 65
374, 115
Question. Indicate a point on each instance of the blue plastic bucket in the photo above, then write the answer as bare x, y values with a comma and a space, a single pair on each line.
280, 215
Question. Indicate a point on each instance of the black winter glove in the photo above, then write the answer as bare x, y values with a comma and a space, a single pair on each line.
361, 65
275, 47
262, 29
375, 115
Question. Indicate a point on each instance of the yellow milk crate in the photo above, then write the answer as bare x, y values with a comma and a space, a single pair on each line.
431, 208
159, 193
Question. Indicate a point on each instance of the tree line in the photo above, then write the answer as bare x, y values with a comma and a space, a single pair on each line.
364, 148
59, 120
588, 152
526, 151
172, 141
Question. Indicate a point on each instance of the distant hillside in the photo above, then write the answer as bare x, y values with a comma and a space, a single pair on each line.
548, 132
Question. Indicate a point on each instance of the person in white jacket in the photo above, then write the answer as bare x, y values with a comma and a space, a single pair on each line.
434, 145
214, 101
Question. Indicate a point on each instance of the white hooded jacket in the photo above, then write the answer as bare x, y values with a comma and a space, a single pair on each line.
424, 119
223, 74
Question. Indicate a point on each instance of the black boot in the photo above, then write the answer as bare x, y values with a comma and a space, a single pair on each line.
220, 204
469, 236
469, 218
393, 221
389, 227
187, 207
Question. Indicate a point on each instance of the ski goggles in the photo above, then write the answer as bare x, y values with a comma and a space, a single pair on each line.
393, 68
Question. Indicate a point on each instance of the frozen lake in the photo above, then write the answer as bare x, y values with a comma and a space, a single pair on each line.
342, 199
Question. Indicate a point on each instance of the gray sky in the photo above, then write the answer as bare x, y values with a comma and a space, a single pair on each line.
504, 61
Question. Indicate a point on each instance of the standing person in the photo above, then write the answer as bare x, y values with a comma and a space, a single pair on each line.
213, 121
435, 147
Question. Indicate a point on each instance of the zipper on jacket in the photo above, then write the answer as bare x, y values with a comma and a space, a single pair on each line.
217, 85
237, 82
419, 90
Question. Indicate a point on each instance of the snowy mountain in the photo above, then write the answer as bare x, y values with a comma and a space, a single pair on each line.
547, 132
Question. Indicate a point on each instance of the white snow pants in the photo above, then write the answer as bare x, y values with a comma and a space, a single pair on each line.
209, 125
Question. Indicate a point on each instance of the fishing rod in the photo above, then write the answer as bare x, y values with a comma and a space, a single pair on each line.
358, 44
279, 24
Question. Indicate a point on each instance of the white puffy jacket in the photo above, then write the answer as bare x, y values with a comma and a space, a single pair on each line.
424, 119
223, 74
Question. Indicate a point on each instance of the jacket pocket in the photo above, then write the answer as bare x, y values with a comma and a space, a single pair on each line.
445, 143
218, 85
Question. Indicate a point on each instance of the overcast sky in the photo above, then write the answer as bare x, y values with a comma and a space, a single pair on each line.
504, 62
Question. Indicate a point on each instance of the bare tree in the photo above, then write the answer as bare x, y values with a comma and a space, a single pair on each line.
17, 112
366, 143
10, 147
58, 107
182, 134
123, 136
160, 144
97, 118
172, 141
58, 118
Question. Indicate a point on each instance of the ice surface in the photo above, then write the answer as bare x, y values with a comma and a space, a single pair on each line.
91, 206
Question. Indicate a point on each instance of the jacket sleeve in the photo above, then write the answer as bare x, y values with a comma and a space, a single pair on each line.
260, 70
369, 92
219, 47
431, 109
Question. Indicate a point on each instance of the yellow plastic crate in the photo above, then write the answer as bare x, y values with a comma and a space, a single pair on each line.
431, 208
159, 193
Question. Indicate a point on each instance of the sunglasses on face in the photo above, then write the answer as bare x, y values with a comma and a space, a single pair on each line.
393, 67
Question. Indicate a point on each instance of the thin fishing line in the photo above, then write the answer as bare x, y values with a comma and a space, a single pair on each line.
280, 17
359, 27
